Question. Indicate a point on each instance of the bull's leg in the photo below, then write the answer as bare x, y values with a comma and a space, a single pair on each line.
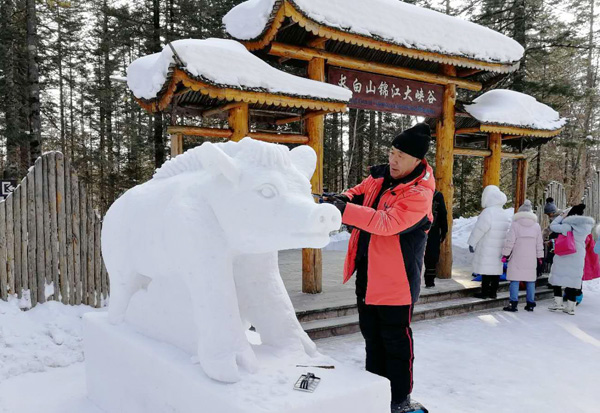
122, 288
265, 302
222, 342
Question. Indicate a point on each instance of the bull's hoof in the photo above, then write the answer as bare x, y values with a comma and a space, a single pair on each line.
247, 360
224, 369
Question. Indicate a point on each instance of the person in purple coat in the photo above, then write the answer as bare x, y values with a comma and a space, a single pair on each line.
524, 250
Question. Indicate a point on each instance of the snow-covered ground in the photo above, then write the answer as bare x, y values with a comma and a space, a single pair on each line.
486, 362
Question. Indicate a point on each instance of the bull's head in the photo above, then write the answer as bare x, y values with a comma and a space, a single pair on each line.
261, 195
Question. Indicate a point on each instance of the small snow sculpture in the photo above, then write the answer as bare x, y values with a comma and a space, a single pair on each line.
212, 220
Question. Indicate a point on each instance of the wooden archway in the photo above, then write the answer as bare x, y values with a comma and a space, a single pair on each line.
291, 34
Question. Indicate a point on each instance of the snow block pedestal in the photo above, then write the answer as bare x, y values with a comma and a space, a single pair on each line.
129, 372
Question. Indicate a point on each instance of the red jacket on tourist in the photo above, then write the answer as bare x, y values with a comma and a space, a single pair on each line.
398, 226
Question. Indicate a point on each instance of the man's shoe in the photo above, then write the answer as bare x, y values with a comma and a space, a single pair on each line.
408, 406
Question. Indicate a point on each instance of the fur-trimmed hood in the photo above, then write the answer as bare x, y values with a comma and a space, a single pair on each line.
579, 221
525, 216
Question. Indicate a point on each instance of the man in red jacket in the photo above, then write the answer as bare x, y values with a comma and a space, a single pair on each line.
391, 213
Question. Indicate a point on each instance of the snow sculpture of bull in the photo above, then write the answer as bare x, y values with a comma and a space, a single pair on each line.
212, 220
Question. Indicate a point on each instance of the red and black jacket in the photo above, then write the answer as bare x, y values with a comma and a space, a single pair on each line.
398, 225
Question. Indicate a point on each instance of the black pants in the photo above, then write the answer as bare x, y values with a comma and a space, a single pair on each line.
432, 256
389, 345
388, 339
430, 274
570, 293
489, 285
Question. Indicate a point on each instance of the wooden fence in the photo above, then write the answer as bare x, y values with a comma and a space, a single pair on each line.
591, 198
50, 238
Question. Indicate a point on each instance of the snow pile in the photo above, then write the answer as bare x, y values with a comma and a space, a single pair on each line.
46, 336
388, 20
507, 107
225, 63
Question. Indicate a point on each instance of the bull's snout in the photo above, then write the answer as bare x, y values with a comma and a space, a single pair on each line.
326, 218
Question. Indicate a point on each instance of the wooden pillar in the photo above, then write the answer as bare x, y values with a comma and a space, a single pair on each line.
493, 163
521, 189
238, 122
312, 259
176, 145
444, 162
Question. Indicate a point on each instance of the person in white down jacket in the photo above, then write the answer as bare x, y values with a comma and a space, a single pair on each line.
567, 270
487, 240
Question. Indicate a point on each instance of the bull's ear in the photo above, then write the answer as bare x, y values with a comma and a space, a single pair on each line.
304, 159
217, 162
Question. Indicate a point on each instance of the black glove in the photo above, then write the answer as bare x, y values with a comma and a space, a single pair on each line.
339, 204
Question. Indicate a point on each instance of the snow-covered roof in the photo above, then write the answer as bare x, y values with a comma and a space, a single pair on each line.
390, 21
510, 108
226, 64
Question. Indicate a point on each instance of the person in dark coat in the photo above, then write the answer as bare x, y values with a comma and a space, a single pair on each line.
435, 238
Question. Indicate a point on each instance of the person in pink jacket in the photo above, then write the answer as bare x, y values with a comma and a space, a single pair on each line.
591, 270
523, 249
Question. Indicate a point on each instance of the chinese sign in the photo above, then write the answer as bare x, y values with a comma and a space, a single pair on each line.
389, 94
6, 187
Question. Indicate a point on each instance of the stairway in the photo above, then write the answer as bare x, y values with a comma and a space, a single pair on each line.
343, 319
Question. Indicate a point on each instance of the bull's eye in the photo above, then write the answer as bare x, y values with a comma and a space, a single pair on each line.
267, 191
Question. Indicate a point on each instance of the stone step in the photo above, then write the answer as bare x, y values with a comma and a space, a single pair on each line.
425, 298
348, 323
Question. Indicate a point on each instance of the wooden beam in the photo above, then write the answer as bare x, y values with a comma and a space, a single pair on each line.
492, 164
211, 112
306, 116
238, 121
317, 42
181, 92
483, 153
307, 54
468, 72
513, 155
196, 131
521, 187
176, 145
312, 259
279, 137
464, 131
444, 158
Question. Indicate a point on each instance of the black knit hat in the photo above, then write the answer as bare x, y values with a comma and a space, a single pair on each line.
414, 141
577, 210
